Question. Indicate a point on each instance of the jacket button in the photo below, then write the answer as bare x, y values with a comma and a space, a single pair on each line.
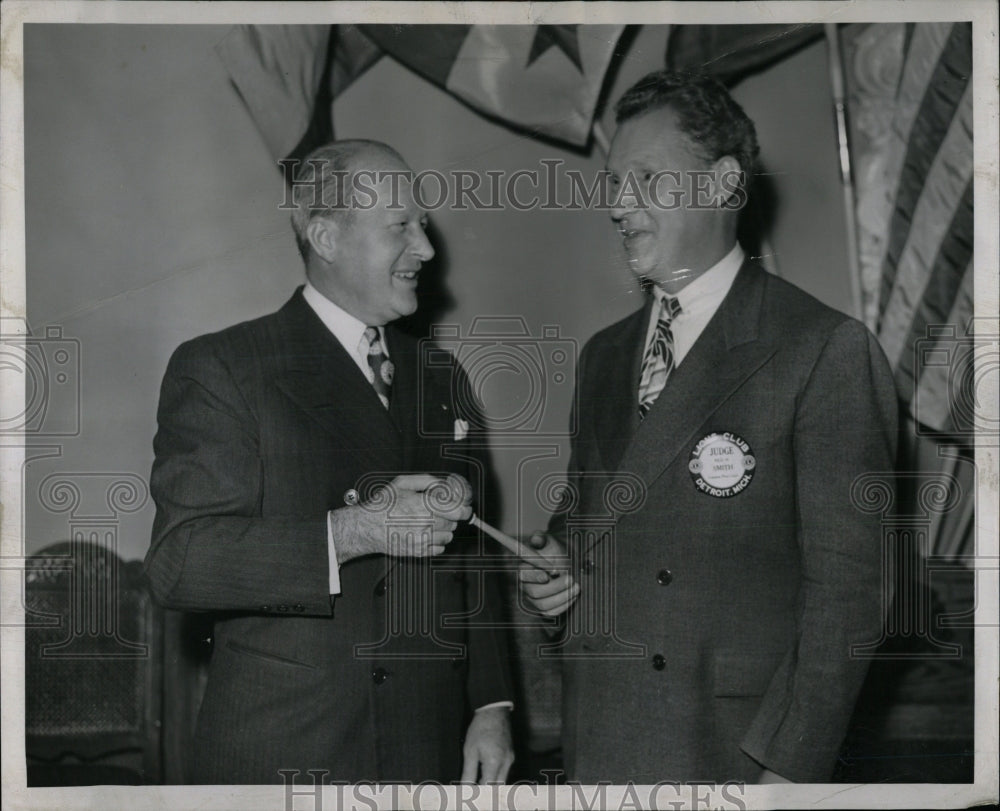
659, 662
588, 566
664, 577
379, 675
265, 608
298, 608
380, 588
283, 609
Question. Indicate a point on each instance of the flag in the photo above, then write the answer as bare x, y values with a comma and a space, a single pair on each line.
288, 76
730, 52
543, 78
910, 101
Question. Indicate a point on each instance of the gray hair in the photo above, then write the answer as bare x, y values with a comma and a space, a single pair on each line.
323, 181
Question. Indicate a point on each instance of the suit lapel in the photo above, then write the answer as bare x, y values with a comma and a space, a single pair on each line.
325, 382
404, 405
618, 382
415, 408
725, 355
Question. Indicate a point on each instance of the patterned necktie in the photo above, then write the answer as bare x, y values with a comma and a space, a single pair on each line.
658, 362
380, 368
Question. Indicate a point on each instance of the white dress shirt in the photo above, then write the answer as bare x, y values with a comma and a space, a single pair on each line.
699, 301
344, 326
350, 333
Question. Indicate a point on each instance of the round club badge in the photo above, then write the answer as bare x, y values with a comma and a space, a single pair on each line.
722, 465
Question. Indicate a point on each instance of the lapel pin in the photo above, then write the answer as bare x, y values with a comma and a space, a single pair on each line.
722, 465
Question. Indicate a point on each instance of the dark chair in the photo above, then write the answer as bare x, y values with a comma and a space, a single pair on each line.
93, 674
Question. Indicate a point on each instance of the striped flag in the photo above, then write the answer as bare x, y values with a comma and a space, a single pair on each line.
911, 108
542, 78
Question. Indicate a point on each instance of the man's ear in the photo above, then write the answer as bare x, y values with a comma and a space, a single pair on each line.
323, 234
727, 179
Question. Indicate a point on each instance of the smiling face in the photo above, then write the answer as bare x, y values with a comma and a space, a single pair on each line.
368, 259
667, 237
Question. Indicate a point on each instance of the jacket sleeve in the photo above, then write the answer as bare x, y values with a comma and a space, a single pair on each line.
211, 547
845, 426
489, 678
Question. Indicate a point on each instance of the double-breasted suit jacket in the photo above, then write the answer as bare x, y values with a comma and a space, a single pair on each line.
731, 613
263, 428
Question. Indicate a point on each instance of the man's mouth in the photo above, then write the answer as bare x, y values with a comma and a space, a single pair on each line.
630, 235
408, 275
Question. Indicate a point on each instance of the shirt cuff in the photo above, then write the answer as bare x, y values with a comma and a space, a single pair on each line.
332, 550
508, 704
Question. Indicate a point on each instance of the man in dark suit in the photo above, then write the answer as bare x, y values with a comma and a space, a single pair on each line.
336, 644
740, 411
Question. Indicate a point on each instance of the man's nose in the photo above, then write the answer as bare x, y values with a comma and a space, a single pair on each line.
622, 204
421, 246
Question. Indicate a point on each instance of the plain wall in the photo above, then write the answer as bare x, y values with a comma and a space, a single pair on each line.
152, 211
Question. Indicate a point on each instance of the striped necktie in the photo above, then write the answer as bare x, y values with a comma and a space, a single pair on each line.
658, 361
380, 368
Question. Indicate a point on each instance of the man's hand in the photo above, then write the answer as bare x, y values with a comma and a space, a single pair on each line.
441, 502
551, 596
488, 751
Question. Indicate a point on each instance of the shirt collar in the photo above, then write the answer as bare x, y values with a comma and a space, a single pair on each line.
711, 285
345, 327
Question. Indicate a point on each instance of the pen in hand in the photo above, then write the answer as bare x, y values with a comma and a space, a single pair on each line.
512, 545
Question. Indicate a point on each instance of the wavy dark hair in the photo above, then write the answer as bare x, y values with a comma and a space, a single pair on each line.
713, 122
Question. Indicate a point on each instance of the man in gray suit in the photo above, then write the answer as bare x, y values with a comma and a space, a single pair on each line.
742, 410
331, 650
